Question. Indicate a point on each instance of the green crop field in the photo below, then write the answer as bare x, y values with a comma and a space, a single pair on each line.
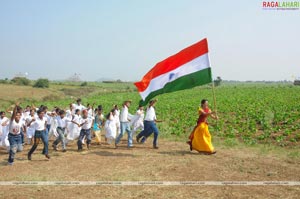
249, 113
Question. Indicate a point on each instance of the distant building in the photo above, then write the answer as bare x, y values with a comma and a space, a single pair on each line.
20, 75
74, 78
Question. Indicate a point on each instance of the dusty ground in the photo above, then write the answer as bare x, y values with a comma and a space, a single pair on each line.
172, 162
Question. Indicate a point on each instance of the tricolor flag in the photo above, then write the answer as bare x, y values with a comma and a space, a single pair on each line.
186, 69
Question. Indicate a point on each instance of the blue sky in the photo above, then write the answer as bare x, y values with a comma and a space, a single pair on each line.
123, 39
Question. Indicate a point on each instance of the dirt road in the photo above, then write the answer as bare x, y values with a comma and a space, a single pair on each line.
171, 162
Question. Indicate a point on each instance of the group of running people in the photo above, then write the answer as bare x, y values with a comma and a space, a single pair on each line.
79, 123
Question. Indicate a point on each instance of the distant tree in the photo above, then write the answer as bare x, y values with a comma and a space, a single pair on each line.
218, 81
84, 84
41, 83
297, 82
21, 81
4, 81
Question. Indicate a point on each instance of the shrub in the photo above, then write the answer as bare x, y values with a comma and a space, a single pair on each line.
21, 81
84, 84
41, 83
4, 81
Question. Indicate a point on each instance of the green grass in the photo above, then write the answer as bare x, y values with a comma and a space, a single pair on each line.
266, 114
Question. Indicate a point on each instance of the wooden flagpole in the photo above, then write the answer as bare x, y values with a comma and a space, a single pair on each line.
214, 96
215, 104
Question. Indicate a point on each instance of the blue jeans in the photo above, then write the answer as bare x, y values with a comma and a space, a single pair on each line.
60, 138
45, 139
48, 128
87, 133
15, 142
22, 136
125, 127
37, 136
149, 128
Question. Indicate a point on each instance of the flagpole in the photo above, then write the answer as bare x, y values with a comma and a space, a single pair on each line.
213, 91
214, 97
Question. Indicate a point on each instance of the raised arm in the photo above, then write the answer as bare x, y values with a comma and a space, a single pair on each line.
13, 116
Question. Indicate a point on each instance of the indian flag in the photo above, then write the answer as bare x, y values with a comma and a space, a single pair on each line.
186, 69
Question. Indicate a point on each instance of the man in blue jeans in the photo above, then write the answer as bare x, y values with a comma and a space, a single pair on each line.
61, 127
14, 135
125, 125
39, 125
150, 125
86, 124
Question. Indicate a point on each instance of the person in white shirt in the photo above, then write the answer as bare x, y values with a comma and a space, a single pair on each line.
73, 128
61, 121
4, 124
39, 124
48, 116
77, 105
110, 126
138, 120
86, 124
53, 128
27, 111
22, 119
30, 128
117, 118
90, 109
125, 125
14, 136
149, 125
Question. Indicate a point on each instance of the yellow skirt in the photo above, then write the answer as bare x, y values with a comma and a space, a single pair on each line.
201, 140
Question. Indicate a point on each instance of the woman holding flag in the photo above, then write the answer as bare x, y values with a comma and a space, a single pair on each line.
200, 138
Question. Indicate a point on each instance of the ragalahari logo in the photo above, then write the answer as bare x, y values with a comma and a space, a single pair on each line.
281, 5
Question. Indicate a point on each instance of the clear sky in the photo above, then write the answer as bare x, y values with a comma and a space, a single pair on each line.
123, 39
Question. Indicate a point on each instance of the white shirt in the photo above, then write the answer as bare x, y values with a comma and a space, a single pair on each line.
150, 115
90, 112
69, 114
28, 120
124, 114
39, 124
140, 114
26, 114
62, 122
76, 106
15, 128
23, 119
3, 120
88, 124
48, 117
